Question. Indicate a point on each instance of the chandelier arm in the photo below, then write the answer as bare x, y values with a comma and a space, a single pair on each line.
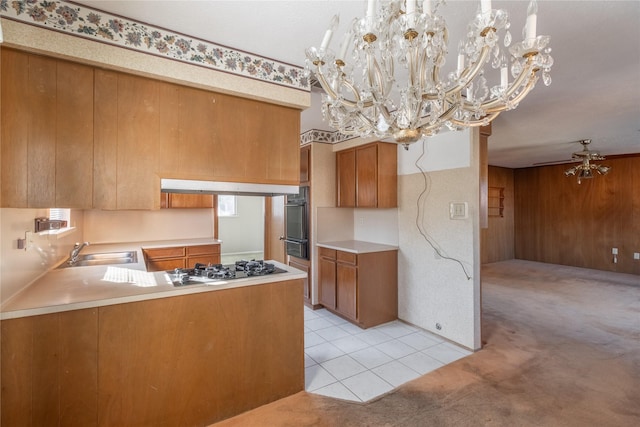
426, 130
413, 64
476, 123
442, 118
435, 76
499, 106
323, 82
375, 74
473, 72
528, 73
333, 95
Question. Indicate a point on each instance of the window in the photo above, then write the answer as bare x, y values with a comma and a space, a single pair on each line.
61, 214
227, 205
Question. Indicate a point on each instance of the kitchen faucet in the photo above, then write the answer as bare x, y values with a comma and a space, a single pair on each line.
73, 255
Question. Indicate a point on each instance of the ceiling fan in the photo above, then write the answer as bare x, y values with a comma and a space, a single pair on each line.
585, 168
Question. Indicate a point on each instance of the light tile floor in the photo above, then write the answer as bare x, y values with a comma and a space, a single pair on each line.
350, 363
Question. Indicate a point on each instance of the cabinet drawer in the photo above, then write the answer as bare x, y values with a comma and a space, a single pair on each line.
203, 249
347, 258
159, 253
165, 264
203, 259
327, 253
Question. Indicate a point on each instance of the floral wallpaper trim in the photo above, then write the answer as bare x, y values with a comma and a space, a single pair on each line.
82, 21
325, 136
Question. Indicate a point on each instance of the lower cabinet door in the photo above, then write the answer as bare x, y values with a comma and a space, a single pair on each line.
327, 283
347, 290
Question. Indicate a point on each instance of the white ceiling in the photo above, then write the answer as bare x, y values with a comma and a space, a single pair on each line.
595, 92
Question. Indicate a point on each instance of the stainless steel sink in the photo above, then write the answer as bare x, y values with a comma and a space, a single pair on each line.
106, 258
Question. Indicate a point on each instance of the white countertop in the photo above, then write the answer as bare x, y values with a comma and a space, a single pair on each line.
87, 287
357, 246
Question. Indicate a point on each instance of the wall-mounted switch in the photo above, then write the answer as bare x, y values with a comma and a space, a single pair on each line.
636, 255
28, 236
614, 251
458, 210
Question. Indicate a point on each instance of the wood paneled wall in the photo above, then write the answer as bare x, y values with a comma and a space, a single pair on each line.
562, 222
497, 240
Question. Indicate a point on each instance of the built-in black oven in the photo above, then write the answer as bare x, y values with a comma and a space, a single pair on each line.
297, 226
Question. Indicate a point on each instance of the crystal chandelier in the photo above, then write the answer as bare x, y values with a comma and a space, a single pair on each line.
585, 169
391, 85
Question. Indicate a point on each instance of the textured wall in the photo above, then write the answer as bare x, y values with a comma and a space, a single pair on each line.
434, 290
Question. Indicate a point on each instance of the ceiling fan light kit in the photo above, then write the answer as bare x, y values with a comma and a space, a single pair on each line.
387, 80
585, 169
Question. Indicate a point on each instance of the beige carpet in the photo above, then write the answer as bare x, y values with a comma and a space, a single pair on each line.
562, 348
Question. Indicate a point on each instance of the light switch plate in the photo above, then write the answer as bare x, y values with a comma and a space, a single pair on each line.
28, 236
458, 210
636, 255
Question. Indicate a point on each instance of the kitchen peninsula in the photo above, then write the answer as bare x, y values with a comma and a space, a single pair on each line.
107, 345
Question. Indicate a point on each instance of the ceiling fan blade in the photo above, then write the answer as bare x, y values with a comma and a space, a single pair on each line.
553, 162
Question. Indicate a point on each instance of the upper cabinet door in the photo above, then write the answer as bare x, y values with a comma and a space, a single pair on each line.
105, 150
367, 176
138, 186
15, 128
305, 165
47, 133
74, 136
346, 170
41, 143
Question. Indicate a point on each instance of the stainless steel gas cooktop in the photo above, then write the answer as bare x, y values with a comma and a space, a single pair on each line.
207, 273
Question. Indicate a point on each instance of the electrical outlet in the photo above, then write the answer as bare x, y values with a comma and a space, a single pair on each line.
614, 251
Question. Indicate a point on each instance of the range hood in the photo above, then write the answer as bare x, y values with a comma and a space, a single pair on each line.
221, 187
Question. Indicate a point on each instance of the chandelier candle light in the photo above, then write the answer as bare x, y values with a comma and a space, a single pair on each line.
365, 97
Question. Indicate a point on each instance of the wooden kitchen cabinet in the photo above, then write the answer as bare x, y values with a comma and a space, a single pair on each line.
327, 278
221, 137
205, 254
126, 141
83, 137
192, 359
367, 176
49, 369
47, 132
347, 284
362, 288
304, 265
170, 258
186, 201
305, 165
